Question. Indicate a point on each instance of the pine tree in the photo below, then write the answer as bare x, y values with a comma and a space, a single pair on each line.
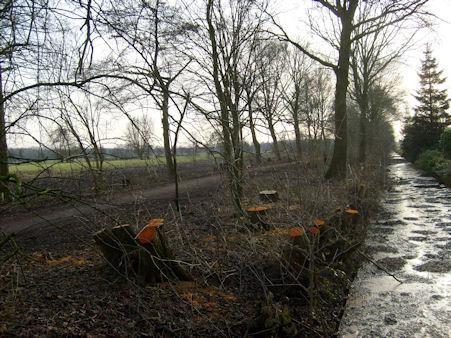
433, 101
424, 129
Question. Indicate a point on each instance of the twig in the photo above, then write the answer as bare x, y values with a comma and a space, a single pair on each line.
368, 258
379, 266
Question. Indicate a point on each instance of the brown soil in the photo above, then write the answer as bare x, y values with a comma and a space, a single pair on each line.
59, 285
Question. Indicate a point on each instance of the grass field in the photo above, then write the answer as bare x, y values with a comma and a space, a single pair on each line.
33, 168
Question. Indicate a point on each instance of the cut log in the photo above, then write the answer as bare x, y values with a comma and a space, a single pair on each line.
158, 263
146, 255
269, 195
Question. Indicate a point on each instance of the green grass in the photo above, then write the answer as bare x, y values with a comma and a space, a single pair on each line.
64, 168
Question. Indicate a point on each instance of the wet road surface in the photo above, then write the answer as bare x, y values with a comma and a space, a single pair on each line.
412, 240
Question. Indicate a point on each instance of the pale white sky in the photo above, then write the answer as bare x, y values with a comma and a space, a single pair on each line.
292, 16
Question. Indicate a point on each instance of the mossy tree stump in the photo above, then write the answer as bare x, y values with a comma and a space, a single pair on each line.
145, 256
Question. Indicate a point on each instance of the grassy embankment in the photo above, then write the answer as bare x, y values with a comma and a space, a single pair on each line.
434, 163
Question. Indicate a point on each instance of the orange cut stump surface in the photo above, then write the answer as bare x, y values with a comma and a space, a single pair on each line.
296, 232
149, 232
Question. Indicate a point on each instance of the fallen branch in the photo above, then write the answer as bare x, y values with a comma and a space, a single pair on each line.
379, 266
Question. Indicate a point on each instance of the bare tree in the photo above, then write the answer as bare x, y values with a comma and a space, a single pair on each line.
139, 135
61, 141
228, 28
80, 115
34, 52
152, 37
23, 56
4, 168
270, 67
252, 86
343, 34
371, 57
292, 91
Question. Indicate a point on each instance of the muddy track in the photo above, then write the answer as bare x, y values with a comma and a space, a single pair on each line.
66, 214
412, 240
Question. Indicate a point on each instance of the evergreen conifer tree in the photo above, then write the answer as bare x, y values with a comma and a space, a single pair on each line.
424, 129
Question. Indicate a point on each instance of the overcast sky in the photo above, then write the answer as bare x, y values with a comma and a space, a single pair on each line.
292, 17
440, 39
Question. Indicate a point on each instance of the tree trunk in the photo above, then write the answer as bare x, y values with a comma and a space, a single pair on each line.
237, 164
275, 143
230, 133
363, 137
361, 89
325, 145
5, 194
166, 138
297, 130
337, 166
258, 154
297, 133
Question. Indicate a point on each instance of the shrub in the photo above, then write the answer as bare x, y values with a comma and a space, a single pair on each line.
432, 161
418, 138
446, 142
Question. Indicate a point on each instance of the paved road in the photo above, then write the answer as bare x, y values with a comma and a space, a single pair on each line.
412, 239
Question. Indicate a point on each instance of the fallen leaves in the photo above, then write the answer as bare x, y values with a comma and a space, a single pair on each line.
39, 257
258, 209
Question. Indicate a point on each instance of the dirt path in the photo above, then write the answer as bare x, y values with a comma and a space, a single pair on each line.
49, 215
412, 239
18, 223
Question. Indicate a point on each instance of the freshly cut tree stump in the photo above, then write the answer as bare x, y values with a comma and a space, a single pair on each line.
116, 244
145, 256
157, 262
297, 251
257, 214
269, 195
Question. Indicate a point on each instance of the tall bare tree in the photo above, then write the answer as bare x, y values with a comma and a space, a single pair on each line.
371, 58
222, 65
151, 35
341, 35
298, 68
34, 52
270, 68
